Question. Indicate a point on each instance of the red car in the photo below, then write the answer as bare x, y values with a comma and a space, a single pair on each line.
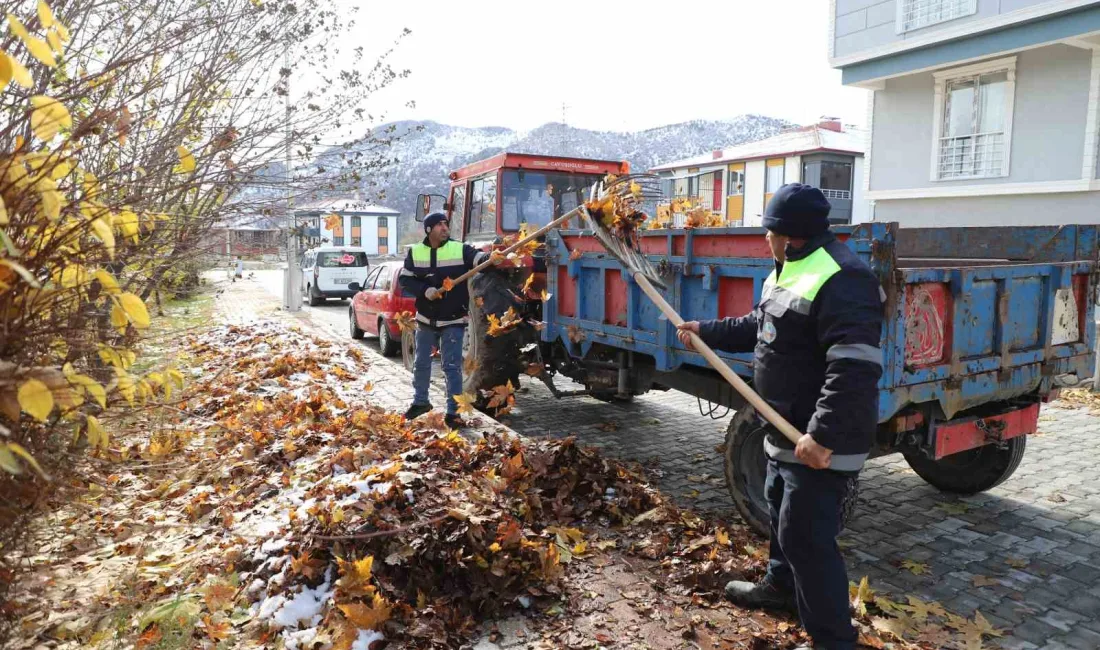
375, 307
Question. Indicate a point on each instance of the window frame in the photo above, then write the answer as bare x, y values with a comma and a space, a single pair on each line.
730, 184
384, 272
372, 277
943, 79
767, 176
899, 17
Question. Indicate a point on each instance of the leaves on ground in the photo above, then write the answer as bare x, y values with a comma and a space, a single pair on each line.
916, 568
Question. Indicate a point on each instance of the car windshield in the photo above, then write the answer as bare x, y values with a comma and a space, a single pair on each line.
537, 198
341, 259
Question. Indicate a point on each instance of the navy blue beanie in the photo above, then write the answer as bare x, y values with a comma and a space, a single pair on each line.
797, 210
432, 219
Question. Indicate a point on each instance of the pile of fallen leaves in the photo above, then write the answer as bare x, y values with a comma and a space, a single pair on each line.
284, 508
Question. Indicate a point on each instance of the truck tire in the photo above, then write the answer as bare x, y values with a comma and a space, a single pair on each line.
314, 297
490, 361
746, 467
972, 471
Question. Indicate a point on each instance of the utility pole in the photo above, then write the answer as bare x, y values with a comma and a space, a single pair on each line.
292, 281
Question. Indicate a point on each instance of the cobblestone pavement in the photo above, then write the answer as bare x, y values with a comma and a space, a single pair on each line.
1026, 554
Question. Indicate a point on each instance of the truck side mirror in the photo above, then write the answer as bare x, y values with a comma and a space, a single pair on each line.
428, 203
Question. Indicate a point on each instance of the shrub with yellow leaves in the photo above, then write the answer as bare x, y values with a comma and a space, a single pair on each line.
126, 143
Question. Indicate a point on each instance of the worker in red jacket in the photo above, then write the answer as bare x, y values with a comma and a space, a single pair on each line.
815, 333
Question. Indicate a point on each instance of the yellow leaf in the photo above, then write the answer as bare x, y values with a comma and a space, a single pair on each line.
127, 222
63, 32
51, 204
36, 399
8, 463
106, 235
3, 213
368, 618
722, 537
91, 386
187, 161
494, 547
97, 437
25, 455
45, 16
125, 385
135, 309
465, 402
916, 568
55, 41
20, 74
23, 272
48, 116
118, 318
580, 548
40, 50
17, 27
6, 71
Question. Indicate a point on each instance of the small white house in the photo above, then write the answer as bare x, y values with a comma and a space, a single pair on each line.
737, 182
373, 227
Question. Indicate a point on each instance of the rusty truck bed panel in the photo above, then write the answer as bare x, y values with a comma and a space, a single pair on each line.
974, 315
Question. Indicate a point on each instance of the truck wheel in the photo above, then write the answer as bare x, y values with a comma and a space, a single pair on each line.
746, 467
386, 342
314, 297
489, 361
971, 471
356, 333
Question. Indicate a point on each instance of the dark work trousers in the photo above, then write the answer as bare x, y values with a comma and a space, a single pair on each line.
805, 506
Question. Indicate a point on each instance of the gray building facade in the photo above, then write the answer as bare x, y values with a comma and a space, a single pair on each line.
980, 112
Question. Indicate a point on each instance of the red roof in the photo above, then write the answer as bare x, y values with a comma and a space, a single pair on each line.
542, 163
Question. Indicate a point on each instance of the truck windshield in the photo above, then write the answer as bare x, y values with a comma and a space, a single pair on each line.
537, 198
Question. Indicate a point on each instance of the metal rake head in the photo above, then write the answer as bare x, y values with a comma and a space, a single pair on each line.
631, 193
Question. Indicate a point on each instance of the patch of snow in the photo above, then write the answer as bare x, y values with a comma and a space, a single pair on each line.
365, 638
256, 587
270, 605
306, 605
273, 545
291, 640
409, 496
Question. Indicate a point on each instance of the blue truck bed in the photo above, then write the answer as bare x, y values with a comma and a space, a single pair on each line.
974, 315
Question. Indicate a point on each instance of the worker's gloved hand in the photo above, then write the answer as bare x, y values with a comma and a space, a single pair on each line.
431, 293
682, 332
808, 451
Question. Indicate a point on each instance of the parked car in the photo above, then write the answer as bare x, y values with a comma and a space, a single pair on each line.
328, 270
375, 307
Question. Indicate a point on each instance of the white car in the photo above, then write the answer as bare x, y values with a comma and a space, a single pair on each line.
328, 270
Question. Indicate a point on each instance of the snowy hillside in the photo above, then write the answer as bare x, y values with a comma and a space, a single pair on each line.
426, 151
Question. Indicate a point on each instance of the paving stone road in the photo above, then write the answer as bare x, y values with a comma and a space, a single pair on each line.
1033, 543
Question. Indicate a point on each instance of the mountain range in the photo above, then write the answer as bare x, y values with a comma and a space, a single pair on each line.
424, 152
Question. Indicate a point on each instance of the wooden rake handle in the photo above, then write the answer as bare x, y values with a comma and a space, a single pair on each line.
722, 367
538, 233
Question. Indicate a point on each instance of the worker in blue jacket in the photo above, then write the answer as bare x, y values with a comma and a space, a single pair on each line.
441, 315
817, 362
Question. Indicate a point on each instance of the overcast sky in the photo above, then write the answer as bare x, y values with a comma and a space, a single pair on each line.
615, 66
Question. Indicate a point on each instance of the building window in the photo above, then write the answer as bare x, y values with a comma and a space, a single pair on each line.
736, 185
337, 240
916, 14
356, 231
383, 235
836, 179
973, 121
775, 178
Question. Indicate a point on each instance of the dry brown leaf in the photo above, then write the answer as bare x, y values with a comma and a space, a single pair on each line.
368, 617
